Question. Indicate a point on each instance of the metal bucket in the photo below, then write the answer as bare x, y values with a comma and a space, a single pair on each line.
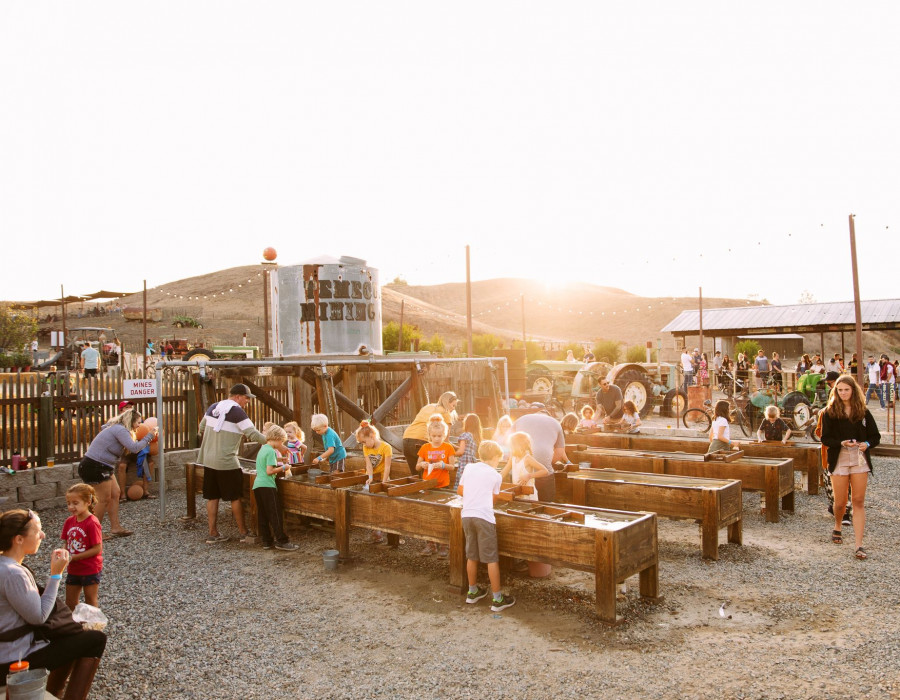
330, 559
27, 685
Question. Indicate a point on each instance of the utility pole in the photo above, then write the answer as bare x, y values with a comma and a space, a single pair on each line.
144, 351
468, 303
856, 304
701, 320
523, 319
62, 296
400, 334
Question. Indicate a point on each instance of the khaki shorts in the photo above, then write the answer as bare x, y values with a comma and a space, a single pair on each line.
861, 467
481, 540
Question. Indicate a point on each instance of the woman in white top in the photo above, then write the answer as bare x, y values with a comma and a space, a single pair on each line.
720, 433
525, 468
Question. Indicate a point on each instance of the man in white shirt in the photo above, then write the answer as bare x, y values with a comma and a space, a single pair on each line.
874, 372
687, 367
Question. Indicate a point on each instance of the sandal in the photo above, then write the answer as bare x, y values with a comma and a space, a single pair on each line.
836, 537
861, 553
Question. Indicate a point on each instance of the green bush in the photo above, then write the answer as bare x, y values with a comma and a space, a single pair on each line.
435, 344
390, 333
16, 328
483, 344
576, 348
608, 351
748, 347
638, 353
533, 350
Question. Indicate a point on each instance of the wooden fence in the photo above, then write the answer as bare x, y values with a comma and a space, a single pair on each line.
57, 416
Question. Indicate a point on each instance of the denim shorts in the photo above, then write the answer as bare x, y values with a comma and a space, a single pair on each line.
86, 580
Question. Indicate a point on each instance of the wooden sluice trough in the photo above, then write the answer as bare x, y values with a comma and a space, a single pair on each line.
806, 457
773, 477
715, 503
613, 545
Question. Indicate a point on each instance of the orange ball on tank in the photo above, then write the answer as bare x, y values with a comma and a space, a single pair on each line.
270, 254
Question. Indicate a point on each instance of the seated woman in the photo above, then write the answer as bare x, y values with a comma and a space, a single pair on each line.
773, 427
23, 605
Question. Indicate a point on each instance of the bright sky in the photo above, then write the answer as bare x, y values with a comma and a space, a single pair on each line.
652, 146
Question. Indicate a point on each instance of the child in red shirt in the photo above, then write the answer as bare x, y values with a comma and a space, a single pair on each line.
436, 457
84, 540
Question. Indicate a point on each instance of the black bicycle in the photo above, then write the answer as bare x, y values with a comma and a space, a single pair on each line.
701, 419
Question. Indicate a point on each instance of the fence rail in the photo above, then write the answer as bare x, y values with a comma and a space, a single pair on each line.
58, 415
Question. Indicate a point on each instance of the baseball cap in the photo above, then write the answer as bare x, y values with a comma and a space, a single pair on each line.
125, 404
241, 390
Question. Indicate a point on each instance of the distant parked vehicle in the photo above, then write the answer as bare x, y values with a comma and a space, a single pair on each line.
186, 322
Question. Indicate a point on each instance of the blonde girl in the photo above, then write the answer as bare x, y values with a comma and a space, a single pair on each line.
631, 419
295, 443
377, 455
587, 417
502, 432
416, 435
524, 467
84, 541
436, 458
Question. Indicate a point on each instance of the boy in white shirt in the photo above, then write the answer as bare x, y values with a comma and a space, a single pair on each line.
479, 486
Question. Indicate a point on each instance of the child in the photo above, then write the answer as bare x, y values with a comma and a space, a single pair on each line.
773, 428
720, 433
525, 468
502, 432
631, 419
84, 540
569, 423
587, 418
377, 455
467, 447
436, 457
269, 520
479, 488
331, 441
294, 443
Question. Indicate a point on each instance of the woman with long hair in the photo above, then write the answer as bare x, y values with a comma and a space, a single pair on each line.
849, 432
101, 458
416, 434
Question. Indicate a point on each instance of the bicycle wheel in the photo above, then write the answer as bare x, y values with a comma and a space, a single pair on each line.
741, 419
696, 419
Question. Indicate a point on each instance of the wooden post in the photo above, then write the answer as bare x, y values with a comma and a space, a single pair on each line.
579, 491
193, 421
605, 558
265, 280
190, 487
468, 304
523, 321
351, 391
144, 325
400, 334
342, 522
458, 577
856, 304
709, 528
736, 531
45, 429
62, 296
771, 493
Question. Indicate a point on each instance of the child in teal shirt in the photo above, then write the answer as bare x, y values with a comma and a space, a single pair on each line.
331, 441
269, 519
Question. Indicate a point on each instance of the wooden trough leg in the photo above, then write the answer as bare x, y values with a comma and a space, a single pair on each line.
812, 475
190, 485
342, 522
736, 532
787, 501
605, 578
649, 583
458, 581
709, 528
578, 491
771, 494
393, 539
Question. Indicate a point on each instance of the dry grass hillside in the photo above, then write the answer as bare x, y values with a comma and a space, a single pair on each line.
229, 303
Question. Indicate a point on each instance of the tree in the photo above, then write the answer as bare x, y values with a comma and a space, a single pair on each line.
748, 347
390, 333
398, 281
435, 344
576, 348
483, 344
607, 351
806, 297
638, 353
533, 350
16, 329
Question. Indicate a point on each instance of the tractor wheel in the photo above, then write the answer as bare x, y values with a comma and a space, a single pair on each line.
199, 354
636, 387
797, 408
179, 324
674, 403
540, 383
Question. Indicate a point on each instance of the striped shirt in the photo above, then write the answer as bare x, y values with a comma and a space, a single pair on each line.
219, 450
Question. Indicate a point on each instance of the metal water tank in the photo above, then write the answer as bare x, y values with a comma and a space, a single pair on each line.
327, 306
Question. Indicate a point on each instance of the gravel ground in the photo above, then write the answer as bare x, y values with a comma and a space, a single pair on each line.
803, 618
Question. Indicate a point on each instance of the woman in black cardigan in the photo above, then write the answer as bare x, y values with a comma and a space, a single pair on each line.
849, 432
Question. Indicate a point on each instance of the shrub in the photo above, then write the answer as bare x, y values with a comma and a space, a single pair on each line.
483, 344
638, 353
607, 351
748, 347
576, 348
390, 334
435, 344
533, 350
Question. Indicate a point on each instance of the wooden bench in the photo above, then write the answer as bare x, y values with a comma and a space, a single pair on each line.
715, 503
775, 478
807, 457
613, 545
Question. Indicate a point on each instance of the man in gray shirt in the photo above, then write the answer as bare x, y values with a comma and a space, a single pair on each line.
549, 445
762, 369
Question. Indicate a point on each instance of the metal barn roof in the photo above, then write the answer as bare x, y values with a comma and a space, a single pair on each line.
882, 314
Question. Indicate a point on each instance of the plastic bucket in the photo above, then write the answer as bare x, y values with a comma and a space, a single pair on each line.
537, 569
27, 685
330, 559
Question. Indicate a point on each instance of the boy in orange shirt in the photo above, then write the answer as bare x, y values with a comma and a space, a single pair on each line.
436, 457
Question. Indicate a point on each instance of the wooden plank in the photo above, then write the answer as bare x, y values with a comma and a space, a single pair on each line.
458, 577
709, 526
413, 486
342, 522
606, 554
339, 482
